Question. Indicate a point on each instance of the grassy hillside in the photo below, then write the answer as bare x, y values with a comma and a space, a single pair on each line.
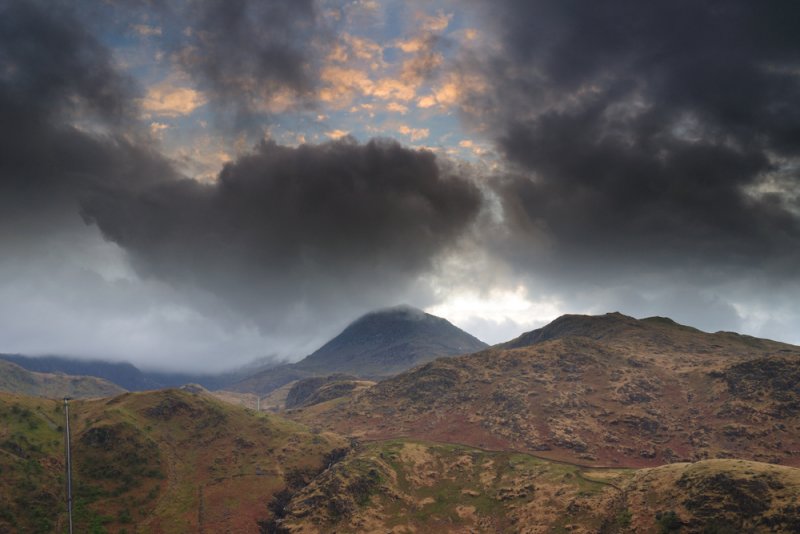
620, 392
165, 461
15, 379
31, 466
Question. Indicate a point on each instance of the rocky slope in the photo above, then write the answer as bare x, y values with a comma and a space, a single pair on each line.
610, 390
406, 486
720, 496
410, 486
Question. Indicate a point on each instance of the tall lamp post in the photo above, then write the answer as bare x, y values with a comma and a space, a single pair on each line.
68, 461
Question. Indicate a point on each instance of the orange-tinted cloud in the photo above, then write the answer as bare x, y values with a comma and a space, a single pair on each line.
168, 100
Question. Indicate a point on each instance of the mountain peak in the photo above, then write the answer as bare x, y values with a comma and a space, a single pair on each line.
399, 309
390, 340
402, 312
594, 326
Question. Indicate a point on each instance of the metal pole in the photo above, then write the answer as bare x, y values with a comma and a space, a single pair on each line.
258, 404
69, 462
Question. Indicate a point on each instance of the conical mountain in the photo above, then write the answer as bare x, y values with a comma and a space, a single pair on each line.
379, 344
389, 341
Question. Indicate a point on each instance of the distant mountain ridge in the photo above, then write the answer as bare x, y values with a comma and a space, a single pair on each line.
16, 379
378, 344
123, 374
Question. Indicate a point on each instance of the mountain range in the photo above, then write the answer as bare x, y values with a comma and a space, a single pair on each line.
590, 424
605, 391
379, 344
126, 375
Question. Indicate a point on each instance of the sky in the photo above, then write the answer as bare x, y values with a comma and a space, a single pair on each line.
193, 185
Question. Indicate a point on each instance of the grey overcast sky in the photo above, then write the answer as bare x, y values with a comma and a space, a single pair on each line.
194, 185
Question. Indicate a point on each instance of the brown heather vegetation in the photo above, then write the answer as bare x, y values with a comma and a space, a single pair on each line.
404, 486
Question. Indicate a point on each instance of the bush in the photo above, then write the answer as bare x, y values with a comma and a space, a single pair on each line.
124, 516
668, 522
334, 457
279, 502
623, 519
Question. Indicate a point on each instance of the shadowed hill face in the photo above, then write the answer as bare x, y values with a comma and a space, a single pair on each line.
303, 390
379, 344
320, 389
641, 393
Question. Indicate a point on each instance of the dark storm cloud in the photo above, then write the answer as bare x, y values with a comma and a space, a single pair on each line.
642, 134
242, 53
292, 241
50, 65
56, 84
313, 230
